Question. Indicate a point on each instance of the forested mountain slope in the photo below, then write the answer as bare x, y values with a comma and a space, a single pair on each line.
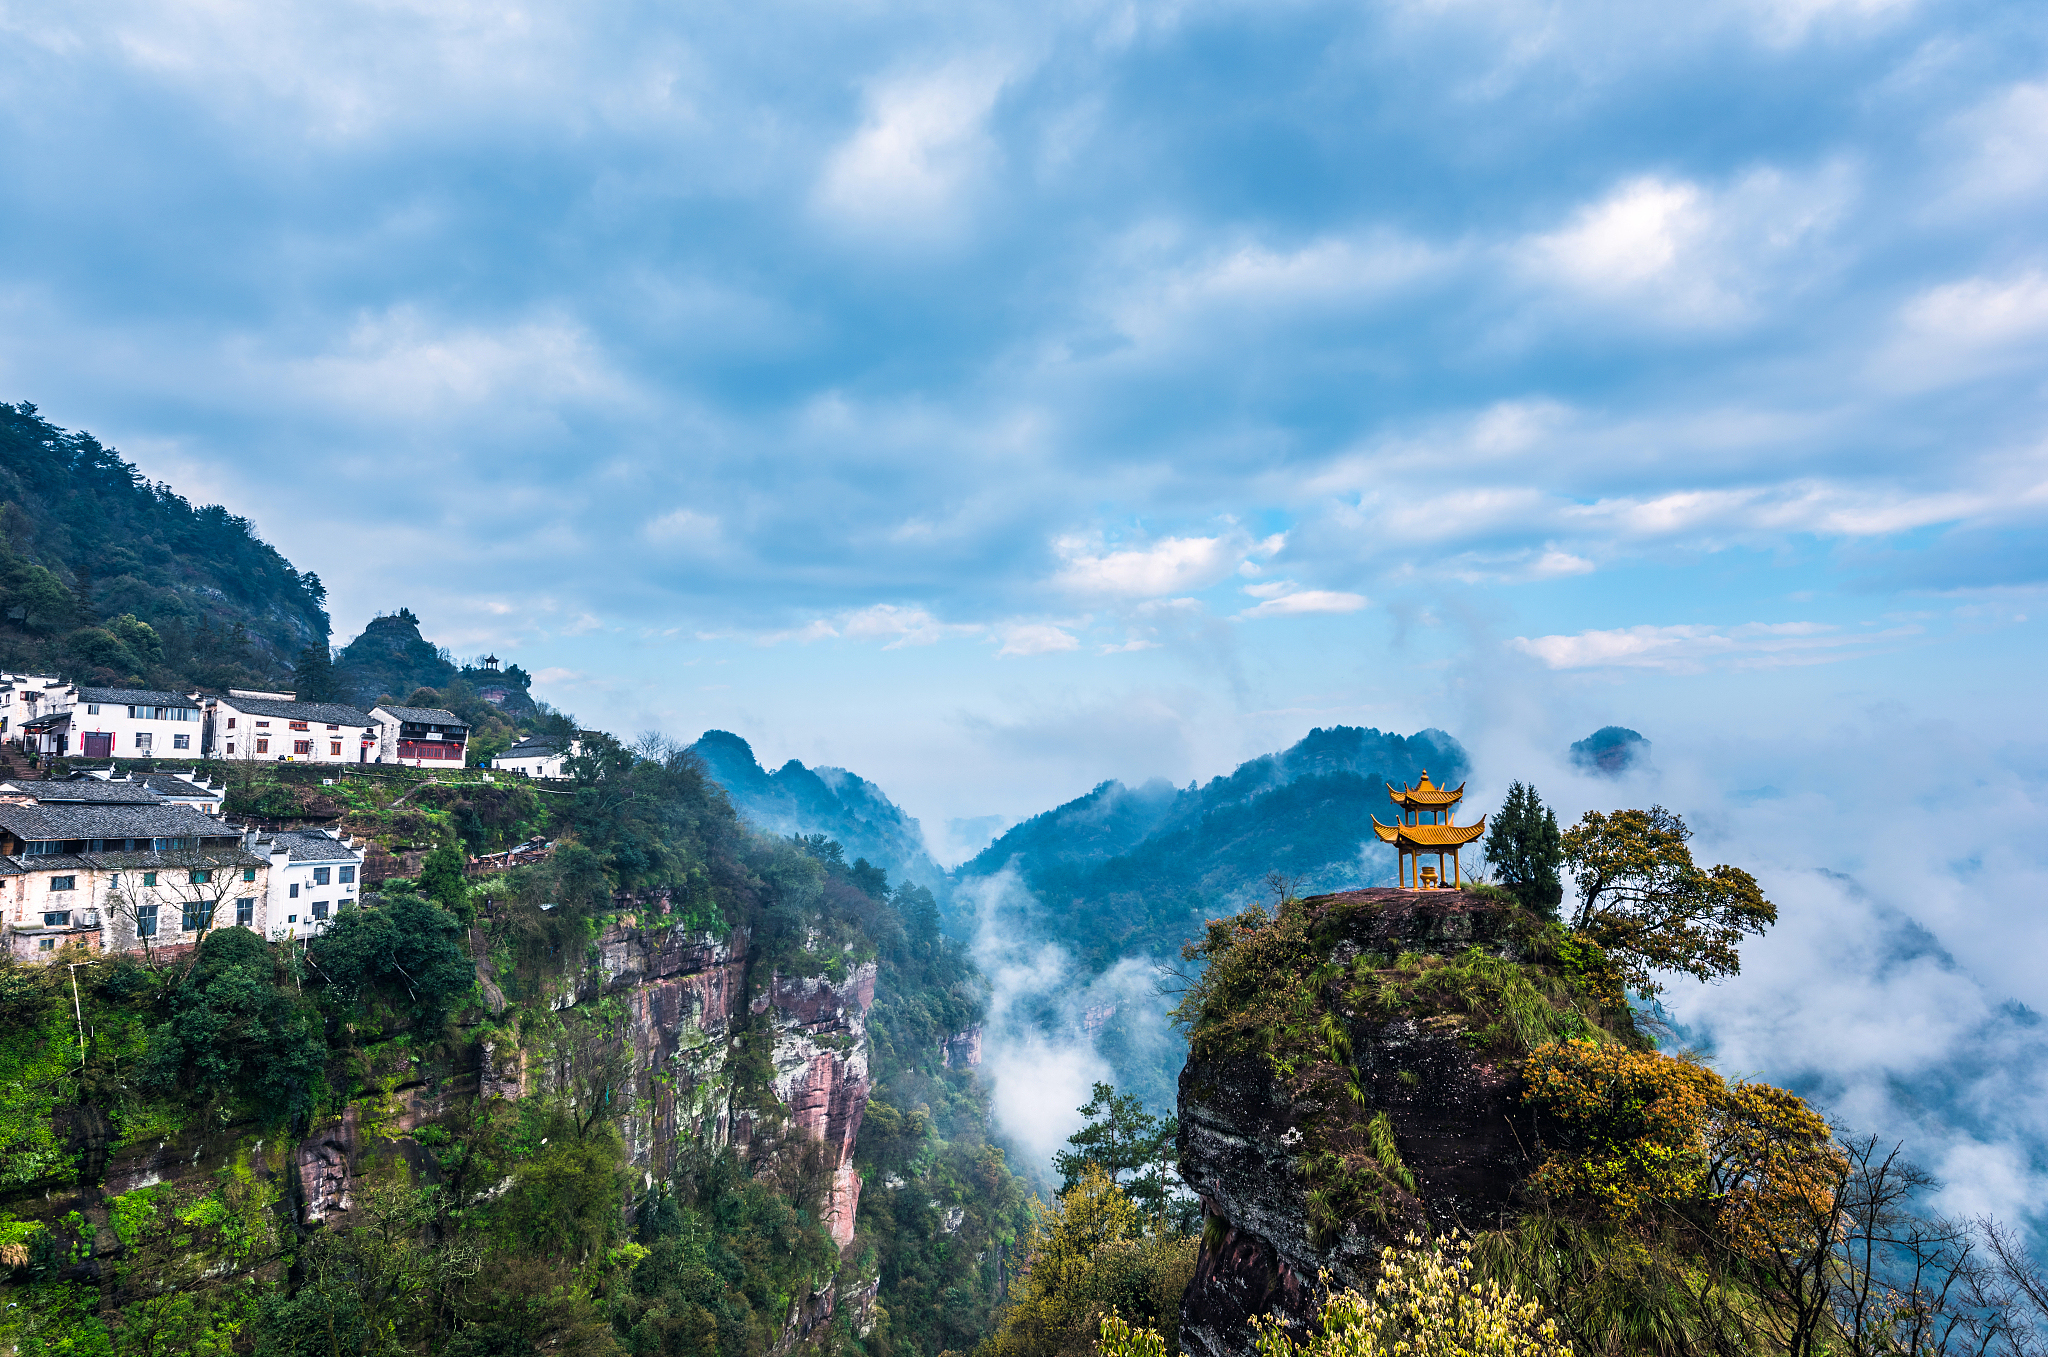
830, 801
609, 1102
108, 578
1123, 870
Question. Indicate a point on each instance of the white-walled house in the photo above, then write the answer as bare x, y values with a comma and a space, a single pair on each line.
314, 875
130, 723
24, 698
120, 871
273, 728
536, 756
421, 737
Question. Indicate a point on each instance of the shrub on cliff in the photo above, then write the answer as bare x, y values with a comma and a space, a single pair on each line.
1636, 1130
406, 951
1090, 1256
1426, 1303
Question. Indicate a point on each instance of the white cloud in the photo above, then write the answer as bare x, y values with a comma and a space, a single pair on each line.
401, 364
1631, 237
1285, 598
1690, 648
685, 529
1305, 602
1968, 328
1170, 565
2001, 149
923, 147
903, 626
1983, 310
1033, 638
1676, 252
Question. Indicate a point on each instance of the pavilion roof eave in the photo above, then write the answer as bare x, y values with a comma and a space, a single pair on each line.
1426, 796
1429, 838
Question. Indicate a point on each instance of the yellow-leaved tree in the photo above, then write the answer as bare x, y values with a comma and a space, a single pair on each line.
1425, 1303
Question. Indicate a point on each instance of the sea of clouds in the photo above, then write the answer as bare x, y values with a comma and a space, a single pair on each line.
1900, 990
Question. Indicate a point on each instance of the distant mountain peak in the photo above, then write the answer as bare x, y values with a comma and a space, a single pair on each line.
795, 799
1610, 750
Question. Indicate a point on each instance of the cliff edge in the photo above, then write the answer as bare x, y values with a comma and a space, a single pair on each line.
1354, 1075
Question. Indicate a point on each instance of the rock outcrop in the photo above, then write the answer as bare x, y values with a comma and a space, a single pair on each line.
1246, 1134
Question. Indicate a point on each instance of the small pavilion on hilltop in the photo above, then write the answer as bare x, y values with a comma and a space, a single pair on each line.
1424, 829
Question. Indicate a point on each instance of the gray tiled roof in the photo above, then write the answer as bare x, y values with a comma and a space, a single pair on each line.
170, 784
532, 747
109, 822
227, 855
426, 716
325, 713
90, 790
136, 697
309, 845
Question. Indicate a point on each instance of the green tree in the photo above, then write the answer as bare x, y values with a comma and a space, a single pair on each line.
314, 679
235, 1033
407, 948
98, 648
1124, 1141
1525, 849
1090, 1257
31, 598
140, 639
1642, 898
444, 879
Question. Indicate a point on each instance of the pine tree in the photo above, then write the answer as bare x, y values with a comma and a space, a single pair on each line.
1120, 1139
314, 678
1525, 849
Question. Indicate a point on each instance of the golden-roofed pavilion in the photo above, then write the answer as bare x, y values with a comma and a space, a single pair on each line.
1424, 829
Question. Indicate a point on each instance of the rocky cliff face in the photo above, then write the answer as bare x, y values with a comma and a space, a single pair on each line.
1248, 1134
821, 1073
650, 1023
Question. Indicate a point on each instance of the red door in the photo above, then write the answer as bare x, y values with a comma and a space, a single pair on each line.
99, 744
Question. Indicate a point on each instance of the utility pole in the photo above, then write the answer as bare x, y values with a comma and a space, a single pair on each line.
78, 1012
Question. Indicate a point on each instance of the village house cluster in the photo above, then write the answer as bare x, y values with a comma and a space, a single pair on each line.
146, 864
49, 718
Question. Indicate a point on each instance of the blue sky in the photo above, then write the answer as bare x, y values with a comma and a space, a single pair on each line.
997, 399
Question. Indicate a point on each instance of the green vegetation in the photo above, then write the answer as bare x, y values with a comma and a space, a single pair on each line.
1524, 849
111, 579
1122, 1140
1644, 902
506, 1224
1092, 1256
1427, 1302
237, 1034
